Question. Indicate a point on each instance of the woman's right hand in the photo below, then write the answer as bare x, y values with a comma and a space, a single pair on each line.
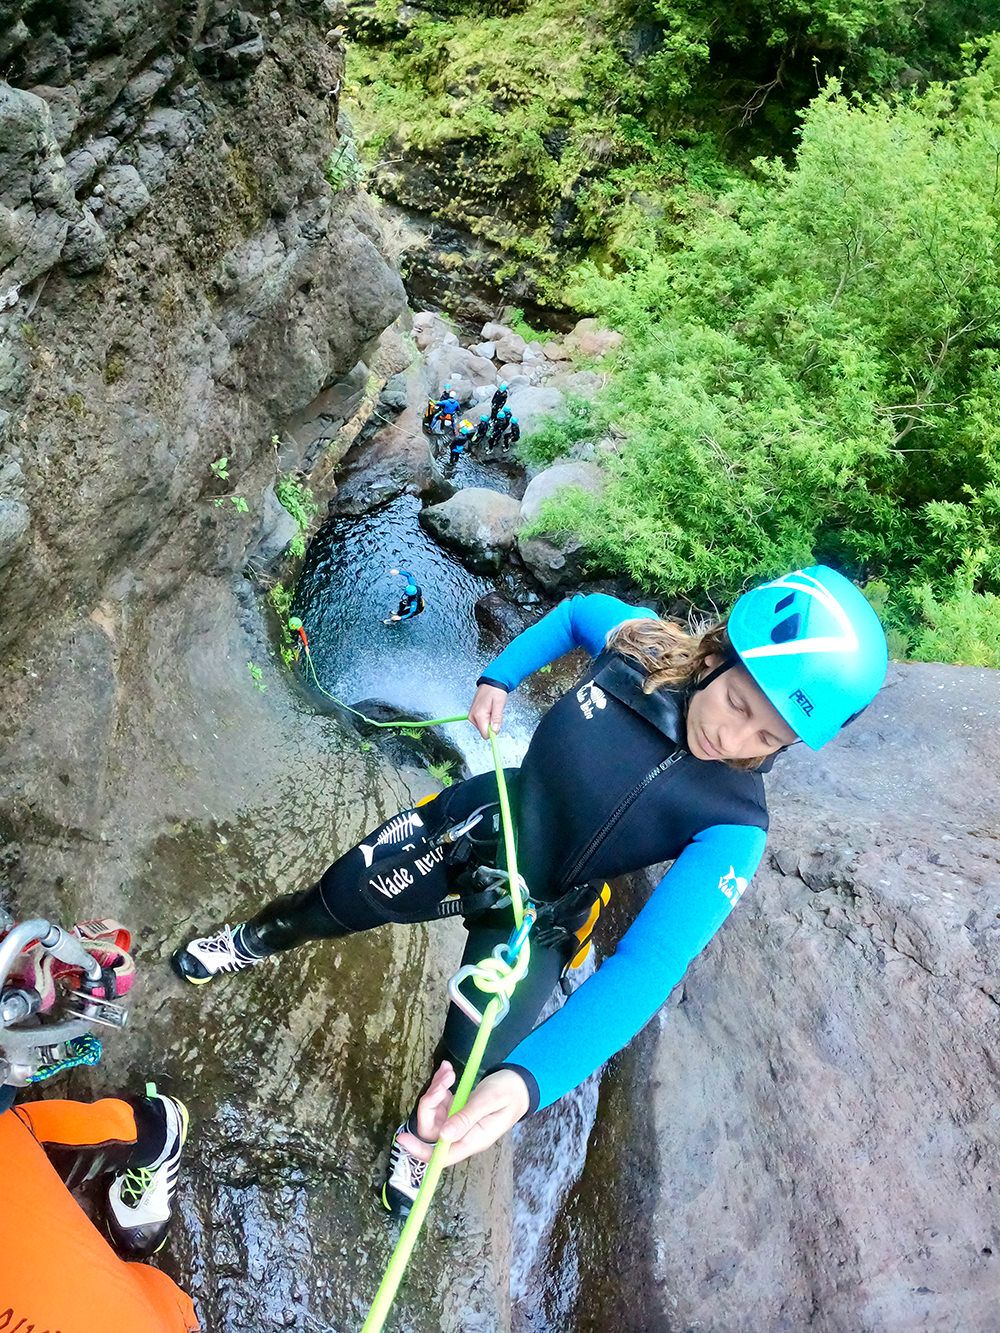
487, 709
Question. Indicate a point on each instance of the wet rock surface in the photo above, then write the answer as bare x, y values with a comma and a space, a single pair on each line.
182, 286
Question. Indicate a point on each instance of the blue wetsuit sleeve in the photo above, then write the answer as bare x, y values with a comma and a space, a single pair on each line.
578, 622
684, 911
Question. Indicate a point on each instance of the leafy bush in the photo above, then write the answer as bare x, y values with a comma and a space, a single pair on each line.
298, 500
816, 375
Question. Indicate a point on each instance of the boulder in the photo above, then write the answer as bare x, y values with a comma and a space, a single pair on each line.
583, 476
459, 367
277, 528
432, 331
529, 404
554, 350
557, 560
486, 350
510, 347
501, 618
393, 395
588, 339
479, 524
582, 383
533, 351
490, 332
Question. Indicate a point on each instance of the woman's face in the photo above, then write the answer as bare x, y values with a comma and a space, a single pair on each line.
732, 719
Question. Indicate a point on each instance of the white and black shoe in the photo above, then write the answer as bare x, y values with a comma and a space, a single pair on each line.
403, 1178
140, 1200
211, 955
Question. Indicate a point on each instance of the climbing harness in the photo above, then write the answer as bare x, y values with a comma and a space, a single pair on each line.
55, 984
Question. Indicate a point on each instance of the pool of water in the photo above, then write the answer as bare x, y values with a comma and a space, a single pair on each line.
426, 666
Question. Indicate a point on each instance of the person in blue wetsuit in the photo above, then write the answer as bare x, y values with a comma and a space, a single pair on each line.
447, 406
412, 601
656, 754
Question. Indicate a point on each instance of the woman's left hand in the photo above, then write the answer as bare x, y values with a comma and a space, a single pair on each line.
495, 1106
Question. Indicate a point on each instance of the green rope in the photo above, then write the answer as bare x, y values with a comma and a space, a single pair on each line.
397, 722
494, 977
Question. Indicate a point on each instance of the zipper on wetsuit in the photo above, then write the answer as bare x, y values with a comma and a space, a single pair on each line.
623, 805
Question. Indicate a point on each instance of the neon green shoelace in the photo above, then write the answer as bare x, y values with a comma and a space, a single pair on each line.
135, 1185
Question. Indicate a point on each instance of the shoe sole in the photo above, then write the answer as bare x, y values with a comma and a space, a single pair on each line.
399, 1217
184, 976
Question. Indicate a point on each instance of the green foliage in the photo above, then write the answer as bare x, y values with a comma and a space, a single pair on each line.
816, 375
298, 500
555, 435
442, 773
955, 623
280, 598
343, 170
221, 467
521, 117
558, 133
518, 324
257, 676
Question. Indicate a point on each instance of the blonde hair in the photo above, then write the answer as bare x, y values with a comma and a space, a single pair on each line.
673, 656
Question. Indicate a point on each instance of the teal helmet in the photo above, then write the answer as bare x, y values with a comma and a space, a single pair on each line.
813, 644
411, 590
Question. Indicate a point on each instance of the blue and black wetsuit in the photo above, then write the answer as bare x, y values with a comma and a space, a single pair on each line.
607, 786
411, 603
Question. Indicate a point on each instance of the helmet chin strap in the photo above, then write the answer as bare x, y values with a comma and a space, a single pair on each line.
730, 660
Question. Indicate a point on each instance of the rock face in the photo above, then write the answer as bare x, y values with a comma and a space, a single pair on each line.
809, 1133
178, 285
501, 618
478, 523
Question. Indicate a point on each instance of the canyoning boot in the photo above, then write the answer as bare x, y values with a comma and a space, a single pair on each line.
208, 957
403, 1177
140, 1200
